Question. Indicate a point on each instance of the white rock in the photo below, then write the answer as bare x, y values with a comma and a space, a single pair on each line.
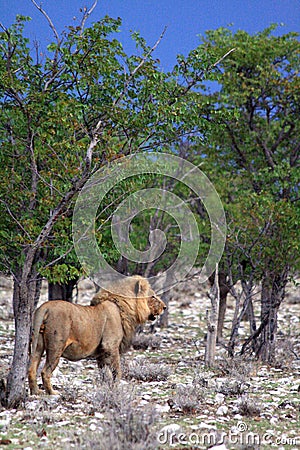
99, 415
172, 428
219, 447
62, 423
222, 410
206, 426
162, 408
219, 398
4, 422
93, 427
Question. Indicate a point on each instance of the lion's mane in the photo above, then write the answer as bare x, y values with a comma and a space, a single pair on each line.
134, 310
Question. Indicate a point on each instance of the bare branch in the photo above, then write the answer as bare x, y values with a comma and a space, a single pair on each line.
223, 57
87, 13
94, 141
49, 21
34, 175
59, 42
4, 28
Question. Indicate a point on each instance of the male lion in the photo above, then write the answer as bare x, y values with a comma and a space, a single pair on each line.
102, 330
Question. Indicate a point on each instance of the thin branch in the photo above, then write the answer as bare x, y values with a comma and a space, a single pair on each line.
55, 72
49, 21
222, 57
15, 219
4, 28
51, 263
131, 75
87, 13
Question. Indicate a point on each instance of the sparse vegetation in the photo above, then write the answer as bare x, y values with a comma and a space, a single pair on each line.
143, 341
126, 424
249, 408
163, 388
189, 398
143, 370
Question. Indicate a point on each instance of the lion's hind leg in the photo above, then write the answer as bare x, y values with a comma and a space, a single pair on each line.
33, 366
54, 350
49, 367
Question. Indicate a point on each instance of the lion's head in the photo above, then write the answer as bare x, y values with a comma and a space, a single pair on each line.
156, 306
135, 294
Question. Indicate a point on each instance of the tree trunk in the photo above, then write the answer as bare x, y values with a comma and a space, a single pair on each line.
61, 291
273, 291
224, 288
239, 313
212, 322
24, 296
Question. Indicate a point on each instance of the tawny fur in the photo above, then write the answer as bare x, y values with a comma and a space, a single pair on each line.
102, 330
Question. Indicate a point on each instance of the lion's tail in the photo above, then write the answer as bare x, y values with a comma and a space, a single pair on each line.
39, 317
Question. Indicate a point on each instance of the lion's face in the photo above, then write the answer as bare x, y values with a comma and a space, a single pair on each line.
156, 306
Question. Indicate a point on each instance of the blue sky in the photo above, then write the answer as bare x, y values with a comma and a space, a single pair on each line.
185, 19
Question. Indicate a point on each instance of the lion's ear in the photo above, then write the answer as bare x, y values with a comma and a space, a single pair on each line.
141, 288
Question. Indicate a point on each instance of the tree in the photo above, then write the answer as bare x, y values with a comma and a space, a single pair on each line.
62, 117
254, 161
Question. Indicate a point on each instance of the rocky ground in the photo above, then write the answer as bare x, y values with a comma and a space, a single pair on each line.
167, 398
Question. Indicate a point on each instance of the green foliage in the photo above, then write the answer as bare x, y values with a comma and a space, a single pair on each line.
248, 131
253, 156
49, 110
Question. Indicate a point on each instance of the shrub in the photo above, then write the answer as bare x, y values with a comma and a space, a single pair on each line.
189, 398
126, 425
142, 370
144, 341
248, 408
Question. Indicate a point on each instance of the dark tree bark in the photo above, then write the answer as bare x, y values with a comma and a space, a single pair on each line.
246, 309
26, 290
273, 291
61, 291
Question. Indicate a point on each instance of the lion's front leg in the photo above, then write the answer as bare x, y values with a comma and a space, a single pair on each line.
110, 358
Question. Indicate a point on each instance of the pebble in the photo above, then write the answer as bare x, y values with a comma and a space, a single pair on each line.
172, 428
222, 410
219, 398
